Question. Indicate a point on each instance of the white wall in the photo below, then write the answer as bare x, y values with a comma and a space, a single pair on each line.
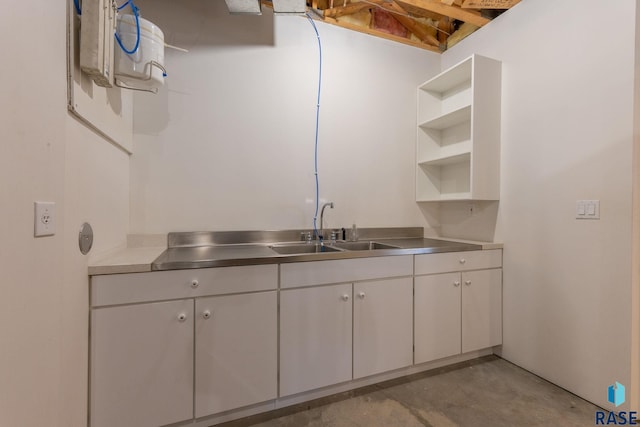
47, 155
567, 133
228, 144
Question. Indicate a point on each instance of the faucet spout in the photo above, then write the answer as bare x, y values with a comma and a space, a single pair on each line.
330, 204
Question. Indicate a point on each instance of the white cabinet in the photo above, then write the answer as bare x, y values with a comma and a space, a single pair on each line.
315, 337
170, 347
298, 274
146, 355
457, 261
317, 345
457, 312
142, 364
382, 326
458, 136
236, 351
481, 309
437, 316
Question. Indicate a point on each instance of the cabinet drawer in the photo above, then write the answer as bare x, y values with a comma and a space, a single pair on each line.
163, 285
458, 261
344, 270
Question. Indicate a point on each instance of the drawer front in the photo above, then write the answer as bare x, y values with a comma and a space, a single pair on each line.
162, 285
344, 270
458, 261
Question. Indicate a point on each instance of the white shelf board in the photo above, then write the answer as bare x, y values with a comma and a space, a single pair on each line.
449, 119
447, 160
450, 78
447, 196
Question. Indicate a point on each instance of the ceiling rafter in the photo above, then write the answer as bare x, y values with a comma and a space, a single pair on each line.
381, 34
351, 8
489, 4
433, 33
466, 15
419, 29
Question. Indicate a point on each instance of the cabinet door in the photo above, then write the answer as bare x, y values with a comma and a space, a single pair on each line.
142, 364
481, 309
315, 337
382, 326
236, 351
437, 316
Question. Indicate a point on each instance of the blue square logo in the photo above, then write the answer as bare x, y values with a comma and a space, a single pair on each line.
616, 394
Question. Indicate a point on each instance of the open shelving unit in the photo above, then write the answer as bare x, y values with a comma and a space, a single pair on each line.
458, 140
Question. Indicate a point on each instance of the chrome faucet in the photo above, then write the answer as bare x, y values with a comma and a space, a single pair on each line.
321, 231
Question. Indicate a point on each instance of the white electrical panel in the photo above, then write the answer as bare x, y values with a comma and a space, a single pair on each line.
97, 28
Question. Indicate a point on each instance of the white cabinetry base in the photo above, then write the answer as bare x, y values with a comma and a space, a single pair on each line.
335, 389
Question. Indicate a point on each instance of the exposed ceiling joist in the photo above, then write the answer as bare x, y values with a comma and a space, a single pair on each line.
465, 15
351, 8
420, 30
381, 34
489, 4
428, 24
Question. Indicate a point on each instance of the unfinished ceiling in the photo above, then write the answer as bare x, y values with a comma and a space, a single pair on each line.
429, 24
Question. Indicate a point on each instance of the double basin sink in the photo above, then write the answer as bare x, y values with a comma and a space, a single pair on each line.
312, 248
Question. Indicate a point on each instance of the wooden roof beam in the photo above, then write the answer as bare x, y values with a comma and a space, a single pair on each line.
465, 15
416, 11
489, 4
417, 28
381, 34
351, 8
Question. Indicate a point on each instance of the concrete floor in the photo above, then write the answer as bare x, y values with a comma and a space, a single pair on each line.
484, 392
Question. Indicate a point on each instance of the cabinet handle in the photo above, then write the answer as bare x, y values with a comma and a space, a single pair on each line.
206, 314
467, 282
361, 295
462, 260
345, 297
456, 284
194, 284
182, 317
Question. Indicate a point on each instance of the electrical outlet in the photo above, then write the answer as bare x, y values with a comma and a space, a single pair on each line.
44, 221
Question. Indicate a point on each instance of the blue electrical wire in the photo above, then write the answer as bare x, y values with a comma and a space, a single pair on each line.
315, 216
76, 3
124, 5
137, 15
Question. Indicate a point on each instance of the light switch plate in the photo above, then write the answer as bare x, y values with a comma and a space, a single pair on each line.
587, 209
44, 220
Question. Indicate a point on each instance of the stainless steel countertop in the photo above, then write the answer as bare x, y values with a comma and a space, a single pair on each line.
184, 257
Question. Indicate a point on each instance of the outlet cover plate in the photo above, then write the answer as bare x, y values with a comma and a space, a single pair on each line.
587, 209
44, 220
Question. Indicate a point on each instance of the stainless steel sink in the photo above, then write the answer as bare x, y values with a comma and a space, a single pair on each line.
302, 248
364, 246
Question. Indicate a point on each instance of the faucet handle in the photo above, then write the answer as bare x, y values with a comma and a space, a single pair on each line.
305, 236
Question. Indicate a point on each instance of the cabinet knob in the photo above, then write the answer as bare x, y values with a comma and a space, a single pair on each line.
194, 283
182, 317
456, 284
467, 282
462, 260
345, 297
361, 295
206, 314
